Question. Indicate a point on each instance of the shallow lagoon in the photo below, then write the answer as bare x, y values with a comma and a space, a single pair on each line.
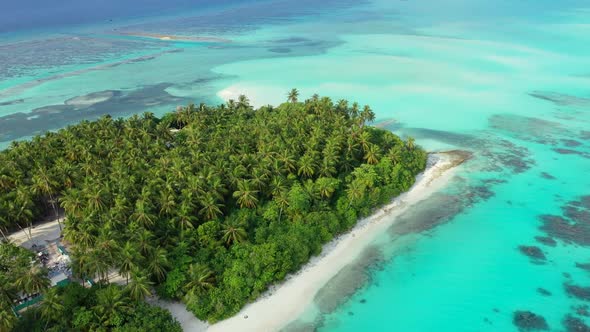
510, 82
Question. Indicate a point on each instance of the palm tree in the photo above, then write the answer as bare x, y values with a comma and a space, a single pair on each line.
231, 104
167, 204
81, 264
72, 202
293, 95
99, 264
211, 209
367, 115
372, 154
395, 154
163, 131
259, 177
82, 235
6, 182
139, 288
43, 185
51, 307
184, 218
410, 143
277, 185
326, 186
288, 161
306, 166
3, 224
354, 111
243, 102
233, 233
342, 105
355, 191
158, 263
282, 201
200, 278
184, 115
144, 240
142, 214
127, 257
33, 280
22, 208
110, 302
7, 317
246, 197
96, 199
365, 140
107, 246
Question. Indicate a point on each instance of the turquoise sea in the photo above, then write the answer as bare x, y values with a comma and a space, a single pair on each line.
506, 80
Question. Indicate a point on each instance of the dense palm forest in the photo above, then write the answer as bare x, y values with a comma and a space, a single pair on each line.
209, 205
72, 307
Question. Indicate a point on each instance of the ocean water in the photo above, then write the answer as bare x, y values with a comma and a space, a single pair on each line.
507, 80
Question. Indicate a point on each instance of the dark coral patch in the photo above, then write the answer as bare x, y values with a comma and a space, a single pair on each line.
90, 106
493, 181
573, 226
291, 40
582, 310
560, 99
515, 158
574, 324
280, 50
527, 128
566, 151
571, 152
546, 241
583, 202
582, 293
452, 138
12, 102
543, 291
477, 193
501, 153
529, 321
570, 143
434, 211
348, 280
562, 228
583, 266
533, 252
577, 214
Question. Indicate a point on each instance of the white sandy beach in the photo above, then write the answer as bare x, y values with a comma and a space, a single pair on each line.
285, 302
42, 234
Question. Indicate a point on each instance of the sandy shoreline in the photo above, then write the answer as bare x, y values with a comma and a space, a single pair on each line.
285, 302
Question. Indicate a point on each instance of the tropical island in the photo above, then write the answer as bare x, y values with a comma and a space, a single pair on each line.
207, 205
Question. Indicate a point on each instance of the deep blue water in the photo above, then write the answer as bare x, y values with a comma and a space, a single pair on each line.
42, 14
